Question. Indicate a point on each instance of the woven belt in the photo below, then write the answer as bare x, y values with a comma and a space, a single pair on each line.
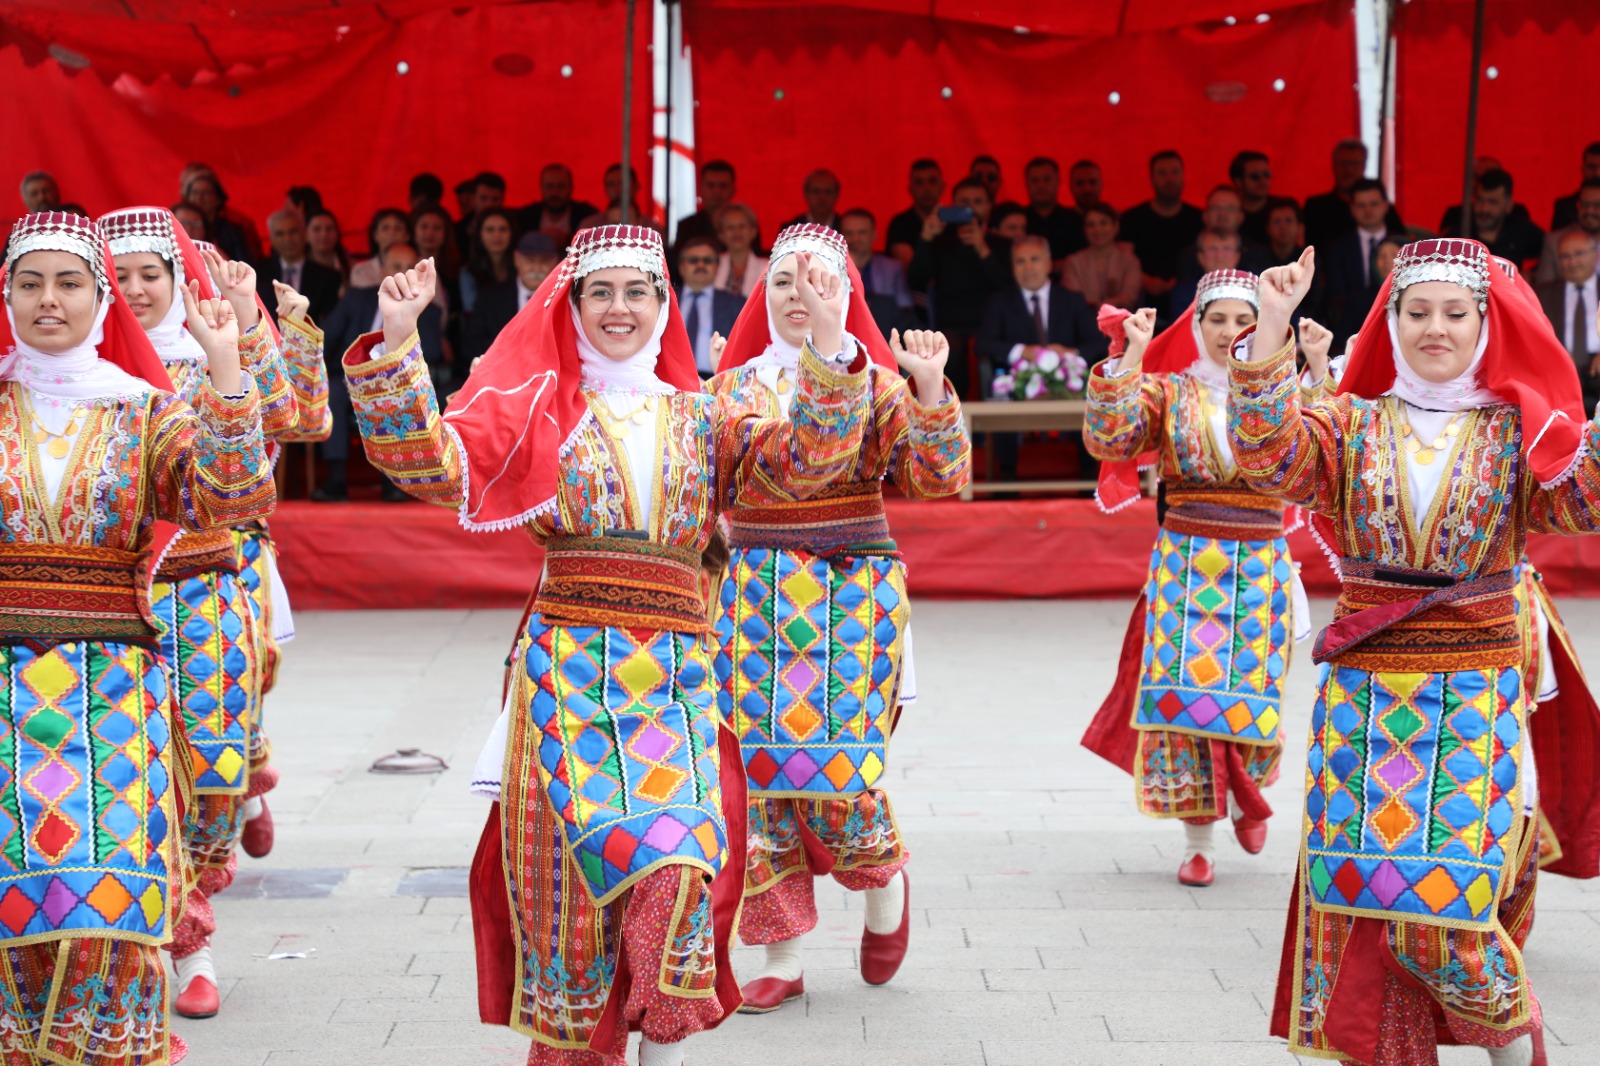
620, 582
850, 522
1394, 618
1226, 514
56, 592
207, 552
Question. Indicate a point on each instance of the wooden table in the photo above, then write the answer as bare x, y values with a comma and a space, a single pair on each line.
1018, 416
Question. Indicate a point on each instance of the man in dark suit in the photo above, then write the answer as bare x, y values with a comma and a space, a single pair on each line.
1351, 261
1035, 313
1566, 209
1497, 219
706, 309
289, 264
964, 264
716, 188
883, 279
353, 316
1569, 303
556, 213
1327, 215
821, 191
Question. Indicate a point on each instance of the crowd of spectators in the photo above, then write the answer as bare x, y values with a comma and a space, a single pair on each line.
997, 275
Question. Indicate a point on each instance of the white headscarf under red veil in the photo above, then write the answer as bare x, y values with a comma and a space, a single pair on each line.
1523, 363
753, 333
521, 405
154, 230
1178, 349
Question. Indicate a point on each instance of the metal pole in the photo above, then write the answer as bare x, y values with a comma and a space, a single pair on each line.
1385, 100
671, 46
1472, 116
627, 113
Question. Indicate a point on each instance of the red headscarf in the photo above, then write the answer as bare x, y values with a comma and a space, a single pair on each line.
1523, 362
513, 417
1175, 350
752, 332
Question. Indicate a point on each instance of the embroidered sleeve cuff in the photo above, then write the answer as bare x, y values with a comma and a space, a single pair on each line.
830, 374
1109, 385
256, 345
1246, 361
939, 417
369, 356
304, 331
230, 416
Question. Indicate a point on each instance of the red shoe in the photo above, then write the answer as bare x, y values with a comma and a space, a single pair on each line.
179, 1050
199, 1000
766, 994
882, 953
1252, 834
258, 834
1196, 872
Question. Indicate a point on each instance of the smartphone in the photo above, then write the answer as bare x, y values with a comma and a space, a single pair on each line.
955, 216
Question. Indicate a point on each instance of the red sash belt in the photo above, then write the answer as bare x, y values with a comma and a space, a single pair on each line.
1225, 514
193, 554
849, 521
57, 592
1393, 618
621, 582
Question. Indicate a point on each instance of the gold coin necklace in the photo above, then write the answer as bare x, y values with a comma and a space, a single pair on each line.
784, 384
57, 444
618, 426
1425, 454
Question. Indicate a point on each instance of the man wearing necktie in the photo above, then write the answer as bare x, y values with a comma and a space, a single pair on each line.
1569, 303
289, 264
706, 309
1351, 261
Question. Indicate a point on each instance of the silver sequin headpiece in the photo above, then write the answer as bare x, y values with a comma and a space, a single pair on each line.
1460, 262
823, 241
57, 231
1227, 285
603, 247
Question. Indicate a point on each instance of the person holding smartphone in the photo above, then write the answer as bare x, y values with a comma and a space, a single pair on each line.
961, 264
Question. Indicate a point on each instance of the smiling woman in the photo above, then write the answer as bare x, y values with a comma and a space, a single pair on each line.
1458, 428
96, 449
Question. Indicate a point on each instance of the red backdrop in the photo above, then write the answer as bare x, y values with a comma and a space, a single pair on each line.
1535, 116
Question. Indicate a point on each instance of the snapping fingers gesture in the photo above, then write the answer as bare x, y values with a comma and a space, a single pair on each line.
922, 353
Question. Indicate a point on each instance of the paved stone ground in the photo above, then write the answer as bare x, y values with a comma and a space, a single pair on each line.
1049, 925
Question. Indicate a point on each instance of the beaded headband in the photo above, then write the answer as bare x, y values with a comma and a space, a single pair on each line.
823, 241
57, 231
603, 247
1227, 285
140, 229
1460, 262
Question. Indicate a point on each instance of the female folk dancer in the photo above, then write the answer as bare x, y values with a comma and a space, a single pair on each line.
96, 451
811, 638
609, 899
1457, 428
1210, 640
208, 625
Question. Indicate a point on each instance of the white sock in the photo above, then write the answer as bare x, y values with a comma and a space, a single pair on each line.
252, 808
1517, 1053
1197, 840
886, 905
654, 1054
783, 961
191, 966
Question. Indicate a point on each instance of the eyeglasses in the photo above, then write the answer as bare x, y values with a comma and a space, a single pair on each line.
634, 298
699, 260
1258, 175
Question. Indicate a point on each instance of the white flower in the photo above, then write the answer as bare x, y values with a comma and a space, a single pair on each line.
1035, 387
1004, 386
1047, 360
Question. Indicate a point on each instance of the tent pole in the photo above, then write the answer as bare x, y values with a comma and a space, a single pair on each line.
671, 45
1385, 95
1467, 183
627, 113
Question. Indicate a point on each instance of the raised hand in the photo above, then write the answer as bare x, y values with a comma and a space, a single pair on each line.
291, 304
213, 325
1139, 328
1316, 340
237, 281
922, 353
821, 293
1281, 290
401, 300
719, 343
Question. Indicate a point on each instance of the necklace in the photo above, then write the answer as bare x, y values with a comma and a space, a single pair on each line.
1426, 454
57, 444
618, 426
784, 384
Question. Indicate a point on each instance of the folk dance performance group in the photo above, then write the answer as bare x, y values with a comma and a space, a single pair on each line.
700, 698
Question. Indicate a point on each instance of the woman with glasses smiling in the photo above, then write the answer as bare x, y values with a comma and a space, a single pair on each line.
608, 878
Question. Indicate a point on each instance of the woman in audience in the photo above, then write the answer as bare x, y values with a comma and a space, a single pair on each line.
1194, 712
1106, 272
585, 426
389, 226
325, 245
740, 267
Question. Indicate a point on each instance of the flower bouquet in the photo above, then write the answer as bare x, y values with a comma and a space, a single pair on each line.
1038, 373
